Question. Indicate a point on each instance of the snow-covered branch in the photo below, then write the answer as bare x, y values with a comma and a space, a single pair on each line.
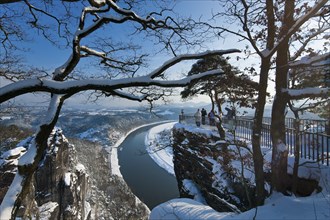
304, 106
131, 64
72, 87
312, 36
307, 92
148, 22
320, 60
101, 17
180, 58
126, 95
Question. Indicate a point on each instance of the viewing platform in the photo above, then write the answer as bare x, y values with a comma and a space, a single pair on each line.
312, 136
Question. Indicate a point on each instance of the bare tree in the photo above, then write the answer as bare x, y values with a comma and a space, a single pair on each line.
121, 75
286, 53
262, 25
309, 77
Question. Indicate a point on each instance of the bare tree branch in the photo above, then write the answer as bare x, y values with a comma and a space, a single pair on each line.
68, 87
298, 23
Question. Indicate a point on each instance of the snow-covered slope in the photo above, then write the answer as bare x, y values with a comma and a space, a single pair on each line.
316, 206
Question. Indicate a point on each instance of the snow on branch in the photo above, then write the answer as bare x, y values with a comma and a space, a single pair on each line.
180, 58
126, 95
320, 60
130, 65
72, 87
149, 21
307, 92
101, 17
52, 113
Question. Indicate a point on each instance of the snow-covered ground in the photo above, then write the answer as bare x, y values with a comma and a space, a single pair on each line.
316, 206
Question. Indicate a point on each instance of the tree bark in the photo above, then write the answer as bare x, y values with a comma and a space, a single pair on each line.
280, 151
258, 159
220, 128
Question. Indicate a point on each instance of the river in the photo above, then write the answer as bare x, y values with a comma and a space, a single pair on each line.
149, 182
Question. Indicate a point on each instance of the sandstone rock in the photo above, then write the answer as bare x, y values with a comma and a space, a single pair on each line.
48, 194
204, 159
221, 169
64, 188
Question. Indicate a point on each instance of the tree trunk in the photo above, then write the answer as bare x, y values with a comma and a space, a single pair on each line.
280, 151
212, 102
256, 132
262, 94
220, 128
296, 156
28, 171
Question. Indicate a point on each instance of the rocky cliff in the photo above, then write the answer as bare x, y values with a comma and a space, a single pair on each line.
203, 160
59, 186
222, 172
64, 188
109, 196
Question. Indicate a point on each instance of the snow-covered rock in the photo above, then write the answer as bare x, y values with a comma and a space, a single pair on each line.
201, 159
222, 170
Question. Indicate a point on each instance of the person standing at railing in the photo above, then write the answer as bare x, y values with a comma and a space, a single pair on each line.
211, 118
204, 113
198, 118
182, 116
231, 113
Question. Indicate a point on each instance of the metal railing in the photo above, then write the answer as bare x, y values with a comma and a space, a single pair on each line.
312, 135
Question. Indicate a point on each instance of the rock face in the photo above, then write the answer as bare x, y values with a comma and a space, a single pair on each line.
109, 196
64, 188
59, 186
62, 179
8, 168
222, 170
204, 160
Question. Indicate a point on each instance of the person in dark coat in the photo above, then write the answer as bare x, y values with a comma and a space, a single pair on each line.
229, 113
211, 118
204, 113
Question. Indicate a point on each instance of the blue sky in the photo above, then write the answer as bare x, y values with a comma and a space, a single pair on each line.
44, 54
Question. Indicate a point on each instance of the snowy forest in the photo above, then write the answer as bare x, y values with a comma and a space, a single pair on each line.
106, 50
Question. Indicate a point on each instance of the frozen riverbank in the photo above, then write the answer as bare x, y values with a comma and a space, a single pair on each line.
162, 153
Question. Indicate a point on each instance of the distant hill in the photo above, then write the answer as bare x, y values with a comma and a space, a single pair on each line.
190, 108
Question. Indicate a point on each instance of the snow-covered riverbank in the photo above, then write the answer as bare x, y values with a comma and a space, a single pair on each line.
158, 146
114, 163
